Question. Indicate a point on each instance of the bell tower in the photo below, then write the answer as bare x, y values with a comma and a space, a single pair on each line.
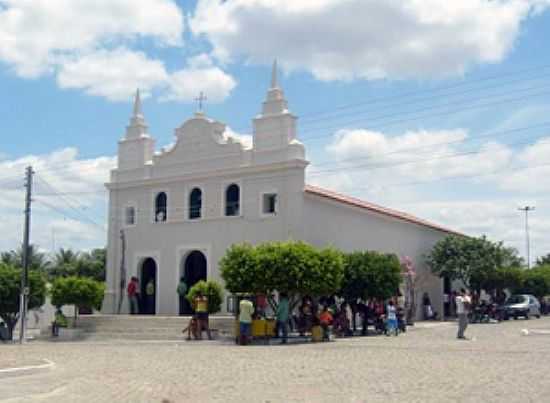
275, 127
137, 146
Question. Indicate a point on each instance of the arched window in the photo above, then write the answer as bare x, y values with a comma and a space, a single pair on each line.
160, 207
195, 204
232, 200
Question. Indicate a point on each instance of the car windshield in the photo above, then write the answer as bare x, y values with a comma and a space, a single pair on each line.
516, 299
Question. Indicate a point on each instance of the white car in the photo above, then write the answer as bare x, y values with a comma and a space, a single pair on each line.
524, 305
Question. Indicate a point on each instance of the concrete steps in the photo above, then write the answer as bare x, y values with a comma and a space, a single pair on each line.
141, 327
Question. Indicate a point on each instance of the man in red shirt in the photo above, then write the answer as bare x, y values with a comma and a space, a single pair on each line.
133, 295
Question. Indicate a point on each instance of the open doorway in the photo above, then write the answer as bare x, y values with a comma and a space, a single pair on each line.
193, 270
148, 287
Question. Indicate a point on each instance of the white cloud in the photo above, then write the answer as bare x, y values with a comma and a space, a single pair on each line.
390, 170
245, 139
199, 76
95, 46
35, 33
348, 39
113, 74
76, 219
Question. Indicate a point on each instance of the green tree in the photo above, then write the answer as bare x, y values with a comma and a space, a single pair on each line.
10, 290
79, 291
471, 260
88, 264
37, 260
212, 290
543, 260
536, 281
292, 267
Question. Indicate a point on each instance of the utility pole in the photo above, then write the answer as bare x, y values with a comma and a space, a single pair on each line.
527, 209
25, 273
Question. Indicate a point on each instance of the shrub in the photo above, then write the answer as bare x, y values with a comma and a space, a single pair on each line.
210, 289
79, 291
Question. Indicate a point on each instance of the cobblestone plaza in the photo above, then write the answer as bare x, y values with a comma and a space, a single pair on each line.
427, 364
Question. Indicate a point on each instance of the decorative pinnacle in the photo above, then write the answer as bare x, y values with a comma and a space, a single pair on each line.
274, 78
137, 105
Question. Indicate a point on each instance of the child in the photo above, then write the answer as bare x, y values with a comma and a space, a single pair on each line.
391, 322
325, 320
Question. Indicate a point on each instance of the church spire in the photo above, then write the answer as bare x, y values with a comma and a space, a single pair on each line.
137, 126
274, 75
137, 105
275, 103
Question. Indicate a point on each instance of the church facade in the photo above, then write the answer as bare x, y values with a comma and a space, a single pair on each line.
174, 212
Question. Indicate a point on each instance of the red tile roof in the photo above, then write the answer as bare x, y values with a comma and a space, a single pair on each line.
352, 201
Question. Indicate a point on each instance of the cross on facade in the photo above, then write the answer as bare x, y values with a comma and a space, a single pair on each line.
201, 98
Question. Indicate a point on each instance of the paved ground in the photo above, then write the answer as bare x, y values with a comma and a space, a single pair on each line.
424, 365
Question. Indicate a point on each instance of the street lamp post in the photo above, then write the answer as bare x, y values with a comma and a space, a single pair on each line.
527, 209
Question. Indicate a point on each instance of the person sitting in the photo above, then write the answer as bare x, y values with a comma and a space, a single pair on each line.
60, 320
429, 313
325, 320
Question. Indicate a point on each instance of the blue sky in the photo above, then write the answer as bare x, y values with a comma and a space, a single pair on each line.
428, 77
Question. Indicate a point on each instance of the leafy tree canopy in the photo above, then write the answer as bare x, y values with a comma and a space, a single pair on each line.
79, 291
543, 260
474, 261
292, 267
10, 290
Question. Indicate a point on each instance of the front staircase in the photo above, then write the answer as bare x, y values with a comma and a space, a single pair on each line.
146, 327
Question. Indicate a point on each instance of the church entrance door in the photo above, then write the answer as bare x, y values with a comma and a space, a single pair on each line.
193, 270
148, 285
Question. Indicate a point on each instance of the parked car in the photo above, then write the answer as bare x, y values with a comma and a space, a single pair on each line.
523, 305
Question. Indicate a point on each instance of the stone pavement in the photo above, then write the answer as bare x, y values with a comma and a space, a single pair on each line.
424, 365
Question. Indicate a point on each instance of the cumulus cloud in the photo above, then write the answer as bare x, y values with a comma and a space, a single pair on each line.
440, 176
113, 74
370, 39
94, 46
69, 199
35, 33
200, 76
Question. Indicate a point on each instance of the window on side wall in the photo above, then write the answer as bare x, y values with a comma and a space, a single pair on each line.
269, 203
130, 215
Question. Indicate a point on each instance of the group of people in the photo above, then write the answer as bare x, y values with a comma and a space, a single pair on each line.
331, 315
138, 303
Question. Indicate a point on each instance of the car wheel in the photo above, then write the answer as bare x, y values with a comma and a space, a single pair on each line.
538, 316
527, 317
515, 317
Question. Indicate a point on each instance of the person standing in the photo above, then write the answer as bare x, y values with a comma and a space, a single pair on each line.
391, 321
133, 295
325, 320
201, 311
150, 297
282, 316
246, 309
182, 293
463, 303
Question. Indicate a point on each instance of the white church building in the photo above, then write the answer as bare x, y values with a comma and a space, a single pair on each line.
175, 212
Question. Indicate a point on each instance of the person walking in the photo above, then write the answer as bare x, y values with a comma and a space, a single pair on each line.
463, 304
246, 309
282, 316
182, 293
133, 295
201, 312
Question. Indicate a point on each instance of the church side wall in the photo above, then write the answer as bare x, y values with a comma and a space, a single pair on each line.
350, 228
